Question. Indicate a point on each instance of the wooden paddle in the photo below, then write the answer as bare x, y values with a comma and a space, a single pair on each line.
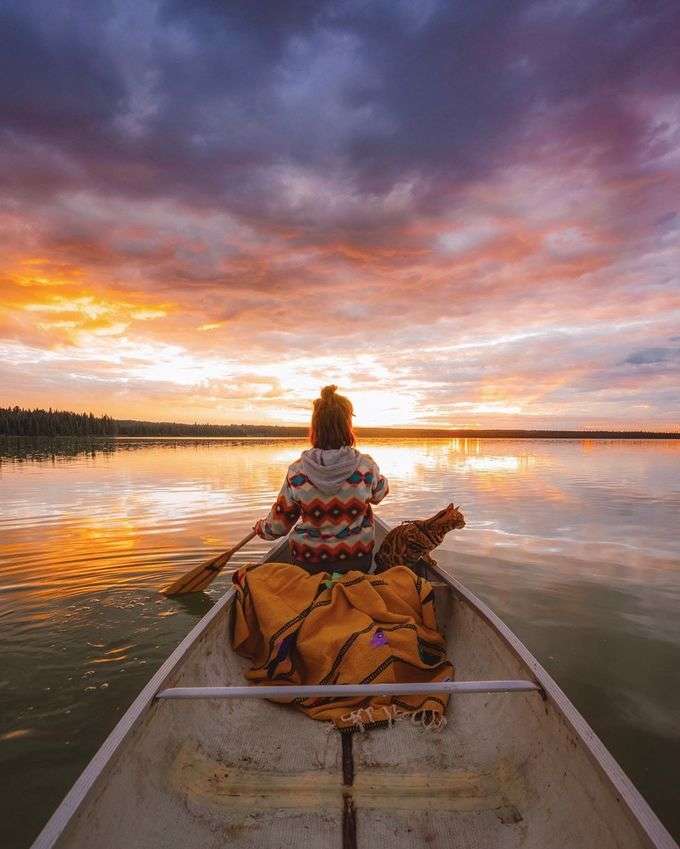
202, 576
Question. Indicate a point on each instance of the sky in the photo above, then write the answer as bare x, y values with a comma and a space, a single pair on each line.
464, 214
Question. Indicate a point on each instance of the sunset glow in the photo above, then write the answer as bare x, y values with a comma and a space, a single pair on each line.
207, 213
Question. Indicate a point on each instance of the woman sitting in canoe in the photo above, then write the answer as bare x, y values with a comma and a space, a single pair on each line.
330, 489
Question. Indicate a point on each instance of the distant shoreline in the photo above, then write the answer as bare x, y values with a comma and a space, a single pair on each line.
410, 433
512, 433
18, 422
417, 433
373, 433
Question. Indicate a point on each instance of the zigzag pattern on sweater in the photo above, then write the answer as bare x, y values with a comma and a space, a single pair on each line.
347, 531
326, 526
332, 553
335, 511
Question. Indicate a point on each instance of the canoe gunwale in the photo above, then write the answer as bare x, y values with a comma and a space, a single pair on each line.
639, 810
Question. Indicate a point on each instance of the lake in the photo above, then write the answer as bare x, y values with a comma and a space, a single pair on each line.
574, 543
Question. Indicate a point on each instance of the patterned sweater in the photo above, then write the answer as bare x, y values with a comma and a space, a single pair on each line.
334, 526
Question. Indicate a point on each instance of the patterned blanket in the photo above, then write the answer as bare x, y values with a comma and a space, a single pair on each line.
353, 628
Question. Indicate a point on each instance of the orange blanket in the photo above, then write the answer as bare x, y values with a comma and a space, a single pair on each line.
341, 629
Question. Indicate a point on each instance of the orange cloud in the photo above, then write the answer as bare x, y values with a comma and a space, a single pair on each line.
64, 311
490, 314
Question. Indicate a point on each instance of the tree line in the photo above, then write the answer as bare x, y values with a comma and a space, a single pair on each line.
16, 421
139, 428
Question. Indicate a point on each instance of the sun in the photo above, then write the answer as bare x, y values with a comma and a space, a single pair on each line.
382, 408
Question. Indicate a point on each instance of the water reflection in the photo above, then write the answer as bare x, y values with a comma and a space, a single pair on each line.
136, 512
573, 543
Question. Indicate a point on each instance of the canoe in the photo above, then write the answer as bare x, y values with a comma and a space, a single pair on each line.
190, 765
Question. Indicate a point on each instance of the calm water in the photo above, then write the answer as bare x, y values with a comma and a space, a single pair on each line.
573, 543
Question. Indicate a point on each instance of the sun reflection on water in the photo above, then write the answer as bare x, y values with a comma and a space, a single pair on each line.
136, 517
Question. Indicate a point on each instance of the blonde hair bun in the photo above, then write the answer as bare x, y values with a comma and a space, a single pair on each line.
328, 392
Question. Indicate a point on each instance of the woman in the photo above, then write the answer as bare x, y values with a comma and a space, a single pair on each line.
330, 488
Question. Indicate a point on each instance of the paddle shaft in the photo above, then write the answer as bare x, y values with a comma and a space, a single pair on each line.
230, 552
201, 576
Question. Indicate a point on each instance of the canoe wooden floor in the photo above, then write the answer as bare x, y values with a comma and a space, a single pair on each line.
510, 769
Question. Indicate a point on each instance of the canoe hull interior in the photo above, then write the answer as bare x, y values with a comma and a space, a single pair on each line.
508, 771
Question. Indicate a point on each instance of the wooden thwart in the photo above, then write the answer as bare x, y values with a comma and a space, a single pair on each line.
326, 690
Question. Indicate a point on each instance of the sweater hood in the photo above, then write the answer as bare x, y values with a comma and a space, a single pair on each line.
329, 468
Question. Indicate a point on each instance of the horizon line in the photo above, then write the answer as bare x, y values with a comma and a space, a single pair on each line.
303, 429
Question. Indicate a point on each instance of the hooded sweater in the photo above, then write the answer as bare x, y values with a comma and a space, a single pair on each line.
330, 492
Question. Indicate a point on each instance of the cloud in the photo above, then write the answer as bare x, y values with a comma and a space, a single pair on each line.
194, 100
191, 193
653, 356
648, 355
467, 237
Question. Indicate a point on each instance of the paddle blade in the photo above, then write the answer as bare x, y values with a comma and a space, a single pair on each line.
199, 578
